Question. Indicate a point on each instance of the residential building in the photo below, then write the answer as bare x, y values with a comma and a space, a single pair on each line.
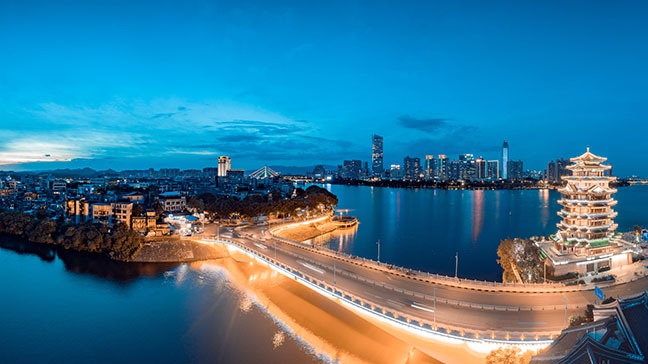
429, 166
481, 171
441, 171
123, 212
352, 169
102, 213
411, 168
224, 165
172, 201
492, 169
515, 170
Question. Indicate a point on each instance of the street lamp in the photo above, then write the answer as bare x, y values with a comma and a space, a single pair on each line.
378, 242
456, 263
334, 276
434, 307
565, 299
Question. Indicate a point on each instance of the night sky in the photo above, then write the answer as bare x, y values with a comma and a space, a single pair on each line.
134, 84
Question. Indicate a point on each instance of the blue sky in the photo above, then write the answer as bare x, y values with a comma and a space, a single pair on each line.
124, 84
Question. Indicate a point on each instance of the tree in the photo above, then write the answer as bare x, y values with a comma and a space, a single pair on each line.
509, 355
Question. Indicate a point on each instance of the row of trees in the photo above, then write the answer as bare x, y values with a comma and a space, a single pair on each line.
118, 242
314, 198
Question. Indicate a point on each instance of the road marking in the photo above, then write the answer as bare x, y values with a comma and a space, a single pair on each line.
532, 323
311, 267
422, 307
394, 303
261, 246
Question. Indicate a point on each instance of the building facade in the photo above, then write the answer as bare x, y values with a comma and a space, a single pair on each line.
587, 216
224, 165
505, 159
377, 166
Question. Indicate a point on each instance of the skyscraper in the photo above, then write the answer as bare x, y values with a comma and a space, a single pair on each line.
515, 170
505, 159
224, 165
493, 169
411, 168
429, 167
377, 156
441, 171
480, 164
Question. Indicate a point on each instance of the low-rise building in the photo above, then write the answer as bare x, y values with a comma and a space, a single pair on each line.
123, 212
102, 213
172, 201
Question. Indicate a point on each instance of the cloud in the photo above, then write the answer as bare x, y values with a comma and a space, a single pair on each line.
429, 125
165, 131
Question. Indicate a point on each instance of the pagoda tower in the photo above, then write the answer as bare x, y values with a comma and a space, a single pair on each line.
587, 224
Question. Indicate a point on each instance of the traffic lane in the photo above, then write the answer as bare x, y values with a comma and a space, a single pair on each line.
581, 298
464, 317
444, 292
453, 293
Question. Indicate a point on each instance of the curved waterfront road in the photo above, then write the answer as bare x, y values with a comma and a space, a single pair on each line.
460, 311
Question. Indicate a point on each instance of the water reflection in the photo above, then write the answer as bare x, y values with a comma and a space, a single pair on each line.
340, 240
87, 263
477, 214
544, 206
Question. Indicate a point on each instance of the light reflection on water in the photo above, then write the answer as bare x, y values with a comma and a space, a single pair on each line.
75, 308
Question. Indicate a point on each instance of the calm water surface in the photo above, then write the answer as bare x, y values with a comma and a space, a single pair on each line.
62, 307
78, 308
424, 228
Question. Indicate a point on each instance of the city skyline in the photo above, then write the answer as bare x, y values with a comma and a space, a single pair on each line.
115, 86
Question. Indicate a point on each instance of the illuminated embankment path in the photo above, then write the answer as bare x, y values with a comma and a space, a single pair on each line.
465, 310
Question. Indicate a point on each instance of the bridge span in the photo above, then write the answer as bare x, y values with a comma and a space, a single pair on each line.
458, 309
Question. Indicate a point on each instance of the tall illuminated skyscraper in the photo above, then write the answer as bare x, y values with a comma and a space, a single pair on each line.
441, 171
377, 156
429, 166
505, 159
224, 165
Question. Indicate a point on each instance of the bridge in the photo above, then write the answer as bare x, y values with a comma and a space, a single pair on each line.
429, 304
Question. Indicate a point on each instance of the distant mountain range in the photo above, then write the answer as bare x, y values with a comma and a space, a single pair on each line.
91, 173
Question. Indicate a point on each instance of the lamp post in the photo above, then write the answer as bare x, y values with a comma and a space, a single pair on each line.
434, 307
565, 299
378, 242
334, 276
456, 263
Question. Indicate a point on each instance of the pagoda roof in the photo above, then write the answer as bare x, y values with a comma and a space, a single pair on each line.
588, 157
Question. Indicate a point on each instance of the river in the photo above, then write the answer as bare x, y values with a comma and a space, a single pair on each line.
60, 306
425, 229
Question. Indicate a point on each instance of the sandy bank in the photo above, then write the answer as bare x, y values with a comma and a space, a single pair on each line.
178, 250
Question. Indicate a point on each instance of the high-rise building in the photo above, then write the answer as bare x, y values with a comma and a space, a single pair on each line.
377, 156
411, 168
395, 171
454, 171
481, 171
352, 169
429, 166
587, 217
224, 165
505, 159
467, 169
492, 169
441, 171
557, 170
515, 170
